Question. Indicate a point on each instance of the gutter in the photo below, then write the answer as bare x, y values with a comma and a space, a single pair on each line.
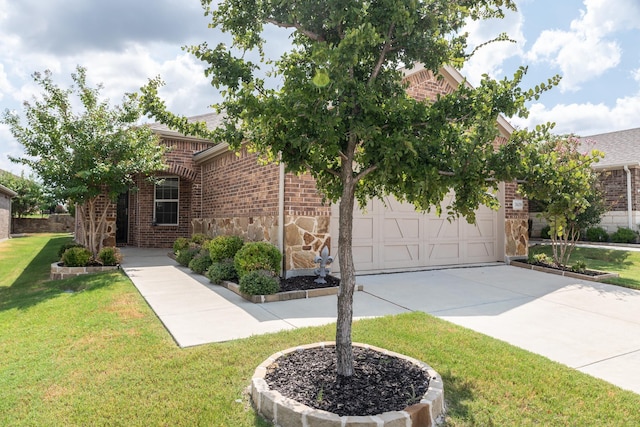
281, 216
629, 202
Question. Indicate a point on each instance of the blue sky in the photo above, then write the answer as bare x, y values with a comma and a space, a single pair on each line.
593, 44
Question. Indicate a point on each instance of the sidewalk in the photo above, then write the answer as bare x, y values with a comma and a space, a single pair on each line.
592, 327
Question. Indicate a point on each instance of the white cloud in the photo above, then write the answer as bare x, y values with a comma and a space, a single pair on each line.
489, 58
587, 50
587, 118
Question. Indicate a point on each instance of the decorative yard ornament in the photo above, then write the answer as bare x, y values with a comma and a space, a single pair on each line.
324, 259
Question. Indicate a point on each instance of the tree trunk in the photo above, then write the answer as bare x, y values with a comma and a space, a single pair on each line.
344, 351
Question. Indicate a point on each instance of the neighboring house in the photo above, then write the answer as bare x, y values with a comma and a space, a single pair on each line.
619, 178
210, 189
5, 211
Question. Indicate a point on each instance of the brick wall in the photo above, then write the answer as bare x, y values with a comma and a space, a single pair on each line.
236, 185
423, 85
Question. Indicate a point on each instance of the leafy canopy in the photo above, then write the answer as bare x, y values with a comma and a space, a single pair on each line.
82, 155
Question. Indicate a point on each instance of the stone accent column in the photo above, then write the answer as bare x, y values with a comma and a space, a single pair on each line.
304, 238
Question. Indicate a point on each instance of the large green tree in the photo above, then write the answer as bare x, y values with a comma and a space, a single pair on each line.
30, 197
87, 156
342, 114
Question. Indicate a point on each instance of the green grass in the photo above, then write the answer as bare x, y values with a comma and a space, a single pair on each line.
99, 356
625, 263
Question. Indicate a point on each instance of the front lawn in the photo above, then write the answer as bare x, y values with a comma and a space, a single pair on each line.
625, 263
89, 351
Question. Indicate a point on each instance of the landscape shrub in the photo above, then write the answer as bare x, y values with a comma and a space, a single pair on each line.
66, 246
200, 262
596, 234
76, 257
257, 256
224, 247
199, 238
579, 267
544, 233
223, 270
109, 256
259, 282
185, 256
180, 244
624, 235
540, 258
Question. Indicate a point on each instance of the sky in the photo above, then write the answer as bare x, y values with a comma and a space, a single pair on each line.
593, 44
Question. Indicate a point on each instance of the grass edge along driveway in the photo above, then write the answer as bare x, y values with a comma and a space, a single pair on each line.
89, 351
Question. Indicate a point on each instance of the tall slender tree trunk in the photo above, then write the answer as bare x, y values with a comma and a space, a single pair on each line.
344, 351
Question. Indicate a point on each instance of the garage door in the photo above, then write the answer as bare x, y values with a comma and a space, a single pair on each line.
392, 236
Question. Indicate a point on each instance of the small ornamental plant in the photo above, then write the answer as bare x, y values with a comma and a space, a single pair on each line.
224, 247
257, 256
109, 256
76, 257
259, 282
223, 270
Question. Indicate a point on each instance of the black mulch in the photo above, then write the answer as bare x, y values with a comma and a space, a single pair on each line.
593, 273
303, 283
380, 383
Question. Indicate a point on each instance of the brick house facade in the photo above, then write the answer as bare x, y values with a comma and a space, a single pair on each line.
223, 192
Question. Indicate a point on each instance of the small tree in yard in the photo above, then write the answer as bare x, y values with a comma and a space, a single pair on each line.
83, 157
31, 196
342, 113
562, 180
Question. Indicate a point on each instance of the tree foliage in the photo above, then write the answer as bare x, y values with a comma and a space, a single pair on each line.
31, 196
83, 156
342, 113
560, 177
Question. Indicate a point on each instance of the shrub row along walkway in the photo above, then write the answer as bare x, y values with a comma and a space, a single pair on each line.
592, 327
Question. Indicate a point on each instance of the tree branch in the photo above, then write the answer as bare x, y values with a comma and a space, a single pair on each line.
383, 54
297, 26
365, 172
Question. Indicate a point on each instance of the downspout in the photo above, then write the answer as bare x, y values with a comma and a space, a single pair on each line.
281, 218
629, 193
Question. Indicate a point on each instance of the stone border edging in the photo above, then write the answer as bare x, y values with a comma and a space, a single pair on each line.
283, 296
565, 273
286, 412
61, 272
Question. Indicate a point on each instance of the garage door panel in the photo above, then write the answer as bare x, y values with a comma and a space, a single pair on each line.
441, 228
364, 229
392, 235
401, 228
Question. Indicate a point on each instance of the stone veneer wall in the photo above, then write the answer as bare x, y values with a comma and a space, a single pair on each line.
516, 225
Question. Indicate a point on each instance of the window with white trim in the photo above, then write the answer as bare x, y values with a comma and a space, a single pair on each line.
165, 211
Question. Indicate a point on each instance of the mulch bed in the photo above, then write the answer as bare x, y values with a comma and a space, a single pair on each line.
592, 273
381, 383
304, 283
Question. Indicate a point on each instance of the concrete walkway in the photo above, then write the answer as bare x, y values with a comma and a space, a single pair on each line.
592, 327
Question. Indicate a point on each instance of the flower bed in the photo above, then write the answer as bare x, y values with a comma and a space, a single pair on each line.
591, 275
60, 271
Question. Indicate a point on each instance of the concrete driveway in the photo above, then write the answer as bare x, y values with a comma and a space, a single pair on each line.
592, 327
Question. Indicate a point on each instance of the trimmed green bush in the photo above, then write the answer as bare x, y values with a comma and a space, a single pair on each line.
224, 247
76, 257
109, 256
223, 270
596, 234
200, 262
259, 282
199, 238
624, 235
185, 256
180, 244
545, 232
66, 246
257, 256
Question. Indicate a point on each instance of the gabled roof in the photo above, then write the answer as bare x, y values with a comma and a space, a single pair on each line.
7, 191
212, 120
620, 148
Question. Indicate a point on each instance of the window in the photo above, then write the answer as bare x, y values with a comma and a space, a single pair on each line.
166, 202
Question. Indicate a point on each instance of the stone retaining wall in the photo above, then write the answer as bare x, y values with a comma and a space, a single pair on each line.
287, 412
61, 272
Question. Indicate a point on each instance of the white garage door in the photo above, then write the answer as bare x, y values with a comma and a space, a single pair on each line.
396, 237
